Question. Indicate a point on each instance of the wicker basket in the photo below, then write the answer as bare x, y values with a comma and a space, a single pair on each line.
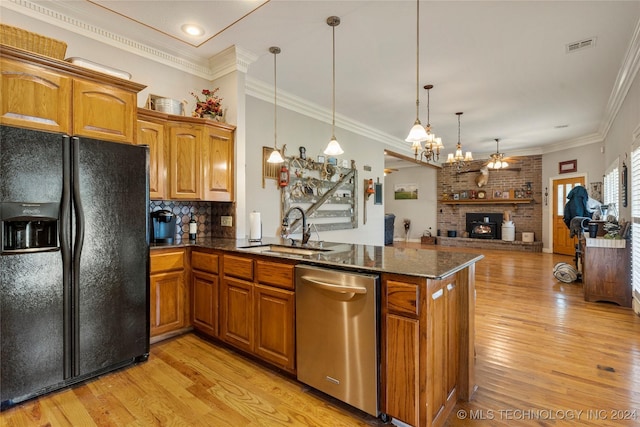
32, 42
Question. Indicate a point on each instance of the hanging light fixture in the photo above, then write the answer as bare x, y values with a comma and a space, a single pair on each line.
275, 156
497, 159
433, 144
417, 134
458, 160
333, 149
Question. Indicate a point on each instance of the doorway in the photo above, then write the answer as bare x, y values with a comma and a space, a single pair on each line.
562, 243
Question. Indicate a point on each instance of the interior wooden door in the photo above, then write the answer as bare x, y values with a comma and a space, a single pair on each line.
562, 243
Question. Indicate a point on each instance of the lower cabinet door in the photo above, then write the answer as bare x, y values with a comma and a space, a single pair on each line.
237, 313
204, 302
274, 316
167, 302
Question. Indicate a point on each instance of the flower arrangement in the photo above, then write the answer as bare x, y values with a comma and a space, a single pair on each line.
212, 104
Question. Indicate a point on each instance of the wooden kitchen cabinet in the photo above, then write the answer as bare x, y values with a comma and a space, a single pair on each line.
205, 289
420, 376
236, 301
102, 111
606, 272
167, 293
185, 171
275, 313
44, 93
152, 135
197, 159
35, 97
217, 164
258, 308
442, 349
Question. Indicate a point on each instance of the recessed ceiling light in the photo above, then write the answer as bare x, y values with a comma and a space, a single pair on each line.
192, 29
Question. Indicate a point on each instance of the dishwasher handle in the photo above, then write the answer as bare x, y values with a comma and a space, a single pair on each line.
335, 288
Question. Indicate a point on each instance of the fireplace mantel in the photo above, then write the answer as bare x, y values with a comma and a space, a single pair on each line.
514, 202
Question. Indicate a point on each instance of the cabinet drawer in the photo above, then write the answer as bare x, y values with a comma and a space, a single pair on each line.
205, 262
275, 274
402, 298
238, 267
167, 261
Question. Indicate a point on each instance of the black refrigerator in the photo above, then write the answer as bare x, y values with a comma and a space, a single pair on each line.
74, 260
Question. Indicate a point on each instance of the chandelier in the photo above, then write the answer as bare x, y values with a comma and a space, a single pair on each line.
457, 160
496, 160
432, 144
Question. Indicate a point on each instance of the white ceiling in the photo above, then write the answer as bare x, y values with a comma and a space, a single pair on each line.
503, 63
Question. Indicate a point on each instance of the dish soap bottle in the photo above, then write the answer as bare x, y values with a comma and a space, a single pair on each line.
193, 228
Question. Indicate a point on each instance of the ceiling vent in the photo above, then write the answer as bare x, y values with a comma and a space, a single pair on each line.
580, 45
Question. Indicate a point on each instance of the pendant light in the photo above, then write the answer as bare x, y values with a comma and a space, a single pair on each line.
275, 156
417, 134
333, 149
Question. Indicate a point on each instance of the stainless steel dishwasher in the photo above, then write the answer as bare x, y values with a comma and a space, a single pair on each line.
337, 334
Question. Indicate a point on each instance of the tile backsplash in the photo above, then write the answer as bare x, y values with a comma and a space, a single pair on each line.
208, 216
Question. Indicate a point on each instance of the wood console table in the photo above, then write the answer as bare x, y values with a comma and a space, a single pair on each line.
605, 275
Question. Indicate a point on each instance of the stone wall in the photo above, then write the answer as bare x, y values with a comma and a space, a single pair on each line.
526, 217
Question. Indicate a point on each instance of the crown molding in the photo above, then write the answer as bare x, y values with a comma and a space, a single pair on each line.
231, 59
624, 80
263, 91
594, 138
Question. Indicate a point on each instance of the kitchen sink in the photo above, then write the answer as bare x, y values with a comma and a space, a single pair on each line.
282, 249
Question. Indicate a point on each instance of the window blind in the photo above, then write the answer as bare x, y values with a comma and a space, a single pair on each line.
611, 184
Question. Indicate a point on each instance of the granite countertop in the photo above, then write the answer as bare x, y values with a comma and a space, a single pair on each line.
429, 263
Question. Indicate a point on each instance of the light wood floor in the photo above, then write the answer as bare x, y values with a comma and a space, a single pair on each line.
544, 357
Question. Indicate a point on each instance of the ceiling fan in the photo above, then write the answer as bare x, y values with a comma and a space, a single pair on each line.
389, 171
497, 160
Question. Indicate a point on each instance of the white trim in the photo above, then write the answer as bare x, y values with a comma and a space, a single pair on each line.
624, 80
264, 92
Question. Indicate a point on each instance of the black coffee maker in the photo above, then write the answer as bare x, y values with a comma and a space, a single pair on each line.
163, 226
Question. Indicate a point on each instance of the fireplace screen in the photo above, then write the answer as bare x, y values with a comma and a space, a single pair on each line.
484, 230
484, 225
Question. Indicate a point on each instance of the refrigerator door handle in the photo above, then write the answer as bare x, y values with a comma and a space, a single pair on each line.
77, 250
65, 251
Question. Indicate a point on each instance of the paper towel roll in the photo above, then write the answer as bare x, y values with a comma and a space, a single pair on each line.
255, 226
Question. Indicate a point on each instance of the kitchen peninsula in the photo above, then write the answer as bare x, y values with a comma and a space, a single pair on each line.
243, 294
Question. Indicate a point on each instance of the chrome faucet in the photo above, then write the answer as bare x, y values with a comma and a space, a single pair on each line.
306, 231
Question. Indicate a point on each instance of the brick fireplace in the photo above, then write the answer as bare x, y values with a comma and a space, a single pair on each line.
522, 177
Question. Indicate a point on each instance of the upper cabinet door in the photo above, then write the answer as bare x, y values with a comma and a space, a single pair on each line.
152, 135
103, 112
33, 97
185, 177
218, 164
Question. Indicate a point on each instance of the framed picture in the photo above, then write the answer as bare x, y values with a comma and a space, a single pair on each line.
320, 159
456, 196
405, 191
497, 194
505, 194
332, 161
568, 166
464, 195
